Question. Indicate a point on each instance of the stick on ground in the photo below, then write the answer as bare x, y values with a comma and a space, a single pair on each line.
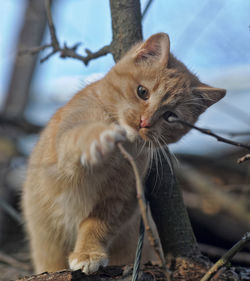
224, 260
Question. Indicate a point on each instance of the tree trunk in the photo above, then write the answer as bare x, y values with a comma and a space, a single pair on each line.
126, 25
170, 214
167, 208
31, 36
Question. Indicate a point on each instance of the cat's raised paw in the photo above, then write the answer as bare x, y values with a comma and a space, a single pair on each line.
88, 263
102, 147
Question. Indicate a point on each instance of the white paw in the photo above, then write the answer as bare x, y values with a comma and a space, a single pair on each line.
75, 264
99, 149
88, 266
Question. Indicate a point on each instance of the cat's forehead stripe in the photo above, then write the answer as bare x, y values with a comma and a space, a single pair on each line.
125, 74
156, 85
116, 88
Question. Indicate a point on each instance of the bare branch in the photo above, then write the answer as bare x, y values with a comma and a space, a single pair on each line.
65, 51
13, 262
35, 50
210, 133
231, 133
19, 123
216, 252
69, 52
48, 56
54, 41
146, 9
10, 211
102, 52
227, 257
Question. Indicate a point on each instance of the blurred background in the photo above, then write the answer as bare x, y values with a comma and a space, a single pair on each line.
211, 37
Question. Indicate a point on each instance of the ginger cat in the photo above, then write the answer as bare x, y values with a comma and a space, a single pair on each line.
79, 199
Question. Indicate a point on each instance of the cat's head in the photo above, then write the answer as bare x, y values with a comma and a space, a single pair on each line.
149, 85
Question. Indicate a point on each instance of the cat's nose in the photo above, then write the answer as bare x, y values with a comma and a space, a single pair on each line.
144, 123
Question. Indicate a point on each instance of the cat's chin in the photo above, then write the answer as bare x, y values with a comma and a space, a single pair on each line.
146, 136
143, 134
132, 134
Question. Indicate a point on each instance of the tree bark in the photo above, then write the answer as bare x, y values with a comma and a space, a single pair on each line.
167, 208
31, 35
170, 214
126, 25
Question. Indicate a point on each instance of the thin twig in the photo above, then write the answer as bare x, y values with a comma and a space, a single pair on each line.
224, 260
10, 211
146, 9
69, 52
13, 262
65, 51
210, 133
35, 50
243, 159
19, 124
231, 134
47, 56
142, 205
54, 41
216, 252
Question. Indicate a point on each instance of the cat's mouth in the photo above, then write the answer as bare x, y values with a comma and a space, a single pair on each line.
146, 129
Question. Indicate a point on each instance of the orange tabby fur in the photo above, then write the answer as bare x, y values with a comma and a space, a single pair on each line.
79, 199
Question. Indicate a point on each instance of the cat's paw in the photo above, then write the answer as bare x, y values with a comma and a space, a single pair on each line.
102, 147
88, 263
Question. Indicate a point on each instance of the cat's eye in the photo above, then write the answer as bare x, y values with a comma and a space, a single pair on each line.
169, 116
142, 92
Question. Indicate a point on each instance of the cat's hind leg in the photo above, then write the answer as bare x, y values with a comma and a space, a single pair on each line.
47, 255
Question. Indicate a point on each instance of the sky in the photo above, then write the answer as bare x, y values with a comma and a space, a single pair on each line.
211, 37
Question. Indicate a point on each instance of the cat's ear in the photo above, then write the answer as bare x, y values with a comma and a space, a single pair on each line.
208, 94
154, 50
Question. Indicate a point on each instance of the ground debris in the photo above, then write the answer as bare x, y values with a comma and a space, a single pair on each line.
183, 269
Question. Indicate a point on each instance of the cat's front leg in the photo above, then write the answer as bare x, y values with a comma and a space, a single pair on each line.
101, 147
97, 232
90, 251
87, 145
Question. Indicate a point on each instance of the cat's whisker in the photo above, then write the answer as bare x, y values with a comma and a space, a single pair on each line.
166, 154
151, 155
152, 158
142, 148
157, 159
175, 159
157, 155
157, 151
162, 138
160, 158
